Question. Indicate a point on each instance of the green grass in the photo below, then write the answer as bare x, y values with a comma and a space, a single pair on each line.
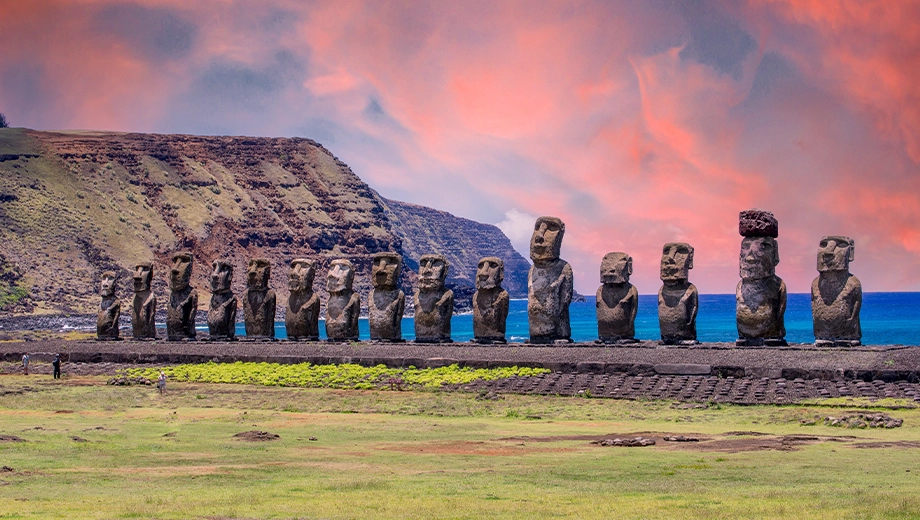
426, 454
344, 376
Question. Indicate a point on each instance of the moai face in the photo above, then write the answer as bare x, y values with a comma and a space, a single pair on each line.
835, 254
490, 273
676, 261
107, 286
759, 256
546, 241
143, 276
616, 268
432, 270
221, 277
257, 274
385, 271
301, 276
341, 276
181, 271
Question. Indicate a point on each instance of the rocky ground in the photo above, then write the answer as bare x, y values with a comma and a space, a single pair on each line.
694, 391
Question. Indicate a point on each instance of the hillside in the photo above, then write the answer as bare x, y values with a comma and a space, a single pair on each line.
73, 204
425, 230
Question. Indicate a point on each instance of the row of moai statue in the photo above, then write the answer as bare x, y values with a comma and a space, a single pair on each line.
761, 296
434, 302
836, 294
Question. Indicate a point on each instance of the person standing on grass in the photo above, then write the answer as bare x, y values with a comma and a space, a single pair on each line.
57, 366
25, 363
161, 382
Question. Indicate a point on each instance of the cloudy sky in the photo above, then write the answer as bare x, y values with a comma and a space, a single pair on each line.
637, 123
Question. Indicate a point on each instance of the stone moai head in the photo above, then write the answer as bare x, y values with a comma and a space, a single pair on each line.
143, 276
221, 277
616, 268
676, 261
759, 256
341, 276
490, 272
107, 285
385, 270
835, 254
432, 271
759, 250
258, 273
181, 272
546, 241
301, 276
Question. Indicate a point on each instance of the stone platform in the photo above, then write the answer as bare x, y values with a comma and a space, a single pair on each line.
647, 359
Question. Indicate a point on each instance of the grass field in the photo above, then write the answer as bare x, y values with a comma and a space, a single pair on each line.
97, 451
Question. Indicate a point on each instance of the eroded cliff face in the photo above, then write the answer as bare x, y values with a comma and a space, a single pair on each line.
75, 204
425, 230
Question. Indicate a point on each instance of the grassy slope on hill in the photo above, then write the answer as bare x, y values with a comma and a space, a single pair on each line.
431, 455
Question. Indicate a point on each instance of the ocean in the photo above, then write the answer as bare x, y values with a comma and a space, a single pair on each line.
891, 318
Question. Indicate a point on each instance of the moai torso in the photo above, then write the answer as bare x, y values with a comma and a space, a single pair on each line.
144, 308
761, 295
386, 302
344, 305
678, 299
617, 300
302, 318
434, 303
549, 284
836, 295
259, 300
490, 302
109, 309
183, 300
223, 307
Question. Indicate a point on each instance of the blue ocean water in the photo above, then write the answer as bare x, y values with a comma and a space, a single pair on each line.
886, 318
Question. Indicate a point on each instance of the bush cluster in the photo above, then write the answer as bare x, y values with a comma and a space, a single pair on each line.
346, 376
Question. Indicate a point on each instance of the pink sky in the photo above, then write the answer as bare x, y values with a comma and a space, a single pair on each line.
637, 123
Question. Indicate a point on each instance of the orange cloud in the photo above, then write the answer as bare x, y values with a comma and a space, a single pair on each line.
637, 124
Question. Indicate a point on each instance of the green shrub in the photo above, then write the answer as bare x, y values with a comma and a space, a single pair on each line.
346, 376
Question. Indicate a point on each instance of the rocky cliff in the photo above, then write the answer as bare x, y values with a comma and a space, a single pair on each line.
463, 241
74, 204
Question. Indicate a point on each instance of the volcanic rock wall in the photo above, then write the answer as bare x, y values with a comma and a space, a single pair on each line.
74, 204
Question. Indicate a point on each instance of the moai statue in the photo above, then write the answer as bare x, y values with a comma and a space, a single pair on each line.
222, 312
109, 309
549, 284
302, 317
259, 300
344, 305
678, 299
836, 295
386, 301
490, 303
144, 310
761, 295
183, 300
617, 301
434, 303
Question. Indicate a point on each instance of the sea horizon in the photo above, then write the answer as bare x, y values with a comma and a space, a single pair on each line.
887, 318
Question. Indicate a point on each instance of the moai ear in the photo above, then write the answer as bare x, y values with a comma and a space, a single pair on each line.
775, 252
690, 260
629, 265
852, 250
